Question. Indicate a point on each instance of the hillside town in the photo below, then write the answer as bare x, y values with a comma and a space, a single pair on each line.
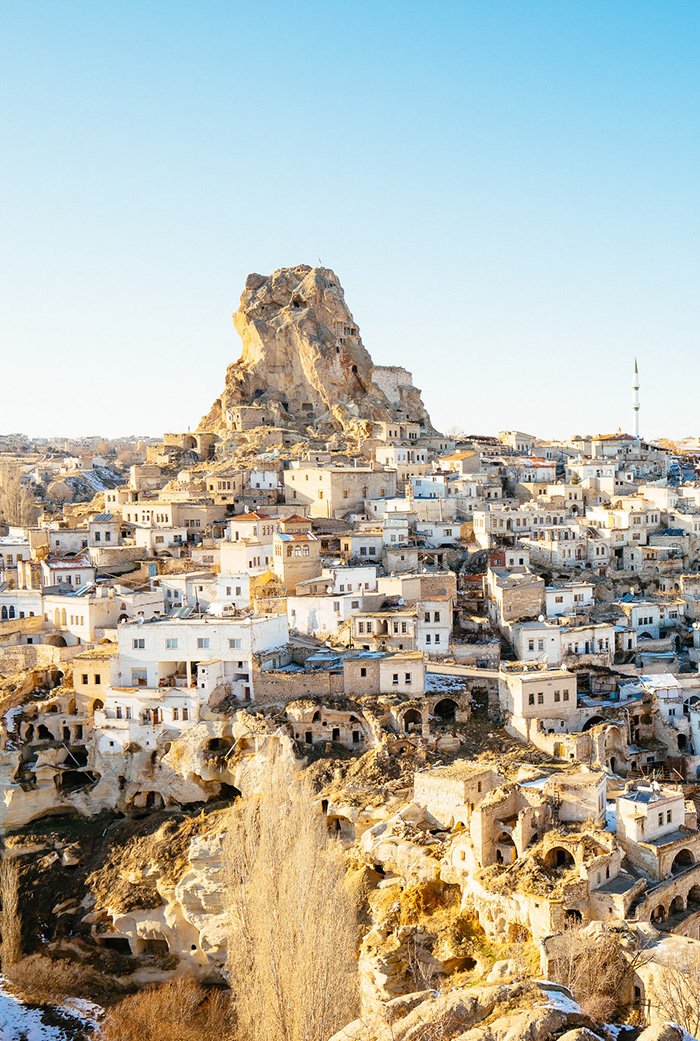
486, 646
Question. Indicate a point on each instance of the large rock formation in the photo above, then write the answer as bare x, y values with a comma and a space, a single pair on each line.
304, 363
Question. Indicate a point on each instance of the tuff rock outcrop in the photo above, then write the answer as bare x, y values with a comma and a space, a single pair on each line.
304, 363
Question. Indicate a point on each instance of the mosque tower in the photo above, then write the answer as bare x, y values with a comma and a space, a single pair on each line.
635, 402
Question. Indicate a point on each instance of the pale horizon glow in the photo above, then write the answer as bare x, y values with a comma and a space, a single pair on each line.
506, 191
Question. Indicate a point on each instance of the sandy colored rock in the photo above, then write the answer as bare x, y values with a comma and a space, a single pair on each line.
304, 363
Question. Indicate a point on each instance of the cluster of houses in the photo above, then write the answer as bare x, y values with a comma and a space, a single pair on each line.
366, 598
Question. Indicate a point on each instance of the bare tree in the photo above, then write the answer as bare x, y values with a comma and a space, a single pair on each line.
10, 920
596, 967
17, 504
675, 993
293, 918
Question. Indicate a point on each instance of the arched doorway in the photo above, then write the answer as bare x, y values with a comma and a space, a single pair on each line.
659, 914
682, 860
446, 710
559, 857
592, 722
677, 905
506, 852
412, 718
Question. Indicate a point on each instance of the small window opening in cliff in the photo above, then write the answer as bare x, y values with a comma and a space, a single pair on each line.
73, 780
297, 301
573, 915
120, 944
219, 744
43, 733
335, 736
354, 369
229, 791
355, 737
259, 393
78, 756
316, 717
308, 737
324, 805
156, 946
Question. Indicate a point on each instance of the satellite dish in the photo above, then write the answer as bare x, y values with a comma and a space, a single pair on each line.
540, 618
400, 601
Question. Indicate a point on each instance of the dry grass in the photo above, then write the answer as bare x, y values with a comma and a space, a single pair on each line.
126, 881
180, 1010
41, 979
10, 919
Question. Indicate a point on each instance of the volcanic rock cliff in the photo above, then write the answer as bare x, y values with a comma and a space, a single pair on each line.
304, 364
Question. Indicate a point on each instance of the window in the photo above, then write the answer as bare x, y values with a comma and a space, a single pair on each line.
139, 677
202, 642
407, 678
540, 699
98, 678
395, 679
238, 590
336, 605
436, 638
171, 644
436, 616
235, 644
530, 645
128, 712
354, 604
557, 695
427, 638
118, 712
185, 714
363, 672
531, 699
176, 713
138, 645
404, 627
668, 816
97, 536
661, 819
565, 695
360, 627
84, 678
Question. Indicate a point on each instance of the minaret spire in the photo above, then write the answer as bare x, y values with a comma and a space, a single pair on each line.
635, 400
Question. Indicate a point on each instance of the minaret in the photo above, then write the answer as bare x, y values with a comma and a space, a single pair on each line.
635, 403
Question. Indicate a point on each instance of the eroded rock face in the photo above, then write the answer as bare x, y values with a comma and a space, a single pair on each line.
304, 364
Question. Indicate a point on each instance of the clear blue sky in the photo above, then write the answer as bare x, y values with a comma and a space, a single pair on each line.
508, 192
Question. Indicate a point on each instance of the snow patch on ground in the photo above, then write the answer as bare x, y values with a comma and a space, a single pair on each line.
31, 1023
562, 1002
